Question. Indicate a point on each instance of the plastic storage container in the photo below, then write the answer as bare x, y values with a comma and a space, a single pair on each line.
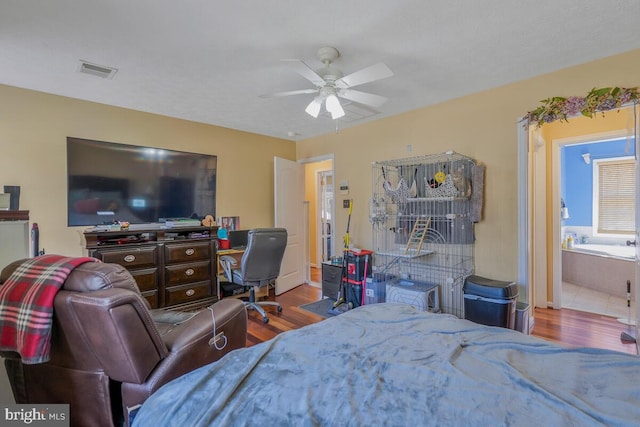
353, 294
490, 302
358, 266
375, 290
423, 296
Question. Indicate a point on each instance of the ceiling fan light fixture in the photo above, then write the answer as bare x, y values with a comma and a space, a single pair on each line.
329, 83
334, 107
337, 114
313, 109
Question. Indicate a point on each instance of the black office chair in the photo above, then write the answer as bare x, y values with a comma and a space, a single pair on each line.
259, 266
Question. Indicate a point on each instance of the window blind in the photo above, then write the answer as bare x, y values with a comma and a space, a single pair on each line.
616, 191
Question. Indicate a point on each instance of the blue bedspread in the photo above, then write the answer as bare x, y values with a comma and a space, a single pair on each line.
388, 364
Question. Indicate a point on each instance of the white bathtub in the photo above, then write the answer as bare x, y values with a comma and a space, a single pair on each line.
604, 268
619, 251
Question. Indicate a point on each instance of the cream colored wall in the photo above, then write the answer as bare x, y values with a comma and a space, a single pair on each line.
311, 195
34, 127
33, 131
482, 126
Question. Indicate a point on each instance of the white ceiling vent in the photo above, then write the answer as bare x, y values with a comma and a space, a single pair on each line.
96, 70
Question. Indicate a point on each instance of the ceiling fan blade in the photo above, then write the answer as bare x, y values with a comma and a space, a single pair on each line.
362, 97
305, 71
374, 72
291, 92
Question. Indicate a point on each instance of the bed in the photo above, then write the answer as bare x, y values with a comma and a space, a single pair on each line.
389, 364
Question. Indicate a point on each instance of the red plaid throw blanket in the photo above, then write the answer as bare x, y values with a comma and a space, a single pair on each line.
26, 305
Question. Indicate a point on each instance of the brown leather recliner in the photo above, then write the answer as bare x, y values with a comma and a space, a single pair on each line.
109, 352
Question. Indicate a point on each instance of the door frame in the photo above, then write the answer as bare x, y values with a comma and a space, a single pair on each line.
526, 261
524, 214
317, 159
636, 130
320, 243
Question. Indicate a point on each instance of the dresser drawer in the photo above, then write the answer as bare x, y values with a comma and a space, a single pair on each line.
187, 293
184, 273
192, 251
146, 279
130, 257
331, 273
331, 276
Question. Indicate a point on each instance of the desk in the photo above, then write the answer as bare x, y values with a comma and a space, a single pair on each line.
237, 255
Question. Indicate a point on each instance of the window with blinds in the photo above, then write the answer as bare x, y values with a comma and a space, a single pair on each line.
614, 196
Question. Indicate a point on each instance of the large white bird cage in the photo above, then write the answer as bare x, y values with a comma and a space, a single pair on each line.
422, 219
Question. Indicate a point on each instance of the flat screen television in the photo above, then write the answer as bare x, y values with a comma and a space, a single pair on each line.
109, 182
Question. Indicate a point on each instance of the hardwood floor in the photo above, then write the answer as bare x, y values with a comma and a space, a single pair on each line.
579, 328
316, 274
567, 327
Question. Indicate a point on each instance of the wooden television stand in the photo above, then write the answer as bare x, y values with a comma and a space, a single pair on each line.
173, 267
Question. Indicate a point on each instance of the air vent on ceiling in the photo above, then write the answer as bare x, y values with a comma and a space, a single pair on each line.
96, 70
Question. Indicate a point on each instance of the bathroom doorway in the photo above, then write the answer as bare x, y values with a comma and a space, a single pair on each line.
548, 184
539, 200
540, 195
597, 192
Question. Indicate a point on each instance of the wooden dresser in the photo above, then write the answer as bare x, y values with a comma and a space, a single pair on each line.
174, 267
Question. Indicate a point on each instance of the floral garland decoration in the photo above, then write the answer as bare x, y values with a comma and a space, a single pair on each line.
597, 100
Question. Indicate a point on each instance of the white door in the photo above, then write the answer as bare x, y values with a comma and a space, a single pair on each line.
289, 214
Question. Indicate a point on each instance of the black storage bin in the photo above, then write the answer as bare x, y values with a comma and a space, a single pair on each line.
354, 294
490, 302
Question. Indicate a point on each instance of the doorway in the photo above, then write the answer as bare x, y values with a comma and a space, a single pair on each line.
319, 195
540, 196
597, 194
325, 213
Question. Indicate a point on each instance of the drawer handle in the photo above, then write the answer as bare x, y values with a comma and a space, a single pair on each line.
189, 272
130, 258
190, 292
190, 251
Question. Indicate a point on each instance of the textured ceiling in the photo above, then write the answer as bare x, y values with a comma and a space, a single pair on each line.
210, 61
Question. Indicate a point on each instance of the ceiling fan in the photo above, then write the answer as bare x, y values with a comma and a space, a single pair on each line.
330, 84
